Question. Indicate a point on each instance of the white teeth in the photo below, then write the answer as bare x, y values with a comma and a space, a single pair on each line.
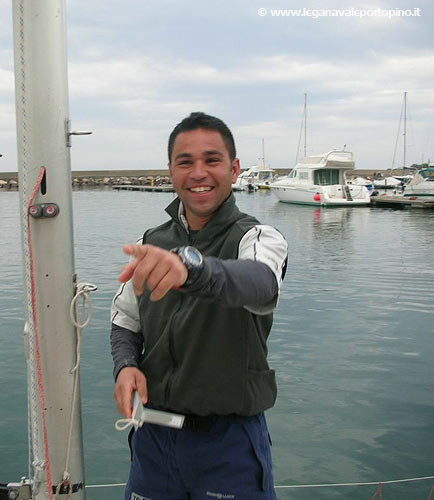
200, 189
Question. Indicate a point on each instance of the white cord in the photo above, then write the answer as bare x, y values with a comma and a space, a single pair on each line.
325, 485
83, 292
123, 423
368, 483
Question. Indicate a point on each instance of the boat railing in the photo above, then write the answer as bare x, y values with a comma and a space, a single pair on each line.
346, 155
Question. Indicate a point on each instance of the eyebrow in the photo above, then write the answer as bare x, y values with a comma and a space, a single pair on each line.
209, 152
183, 155
213, 152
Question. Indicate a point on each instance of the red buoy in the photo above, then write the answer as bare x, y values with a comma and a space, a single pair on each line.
317, 197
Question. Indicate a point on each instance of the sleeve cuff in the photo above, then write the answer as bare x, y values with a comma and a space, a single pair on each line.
123, 364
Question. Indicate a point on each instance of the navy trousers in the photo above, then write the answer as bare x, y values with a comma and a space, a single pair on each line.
229, 461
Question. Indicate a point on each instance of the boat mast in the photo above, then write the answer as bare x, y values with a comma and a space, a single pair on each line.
263, 154
303, 127
305, 122
45, 177
405, 128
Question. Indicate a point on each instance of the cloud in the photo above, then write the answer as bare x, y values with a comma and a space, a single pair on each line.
136, 69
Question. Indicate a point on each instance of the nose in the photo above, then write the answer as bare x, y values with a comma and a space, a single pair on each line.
198, 171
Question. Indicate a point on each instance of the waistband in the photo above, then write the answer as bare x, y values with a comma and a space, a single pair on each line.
198, 422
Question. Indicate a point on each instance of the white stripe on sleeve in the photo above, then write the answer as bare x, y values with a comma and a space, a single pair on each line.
265, 244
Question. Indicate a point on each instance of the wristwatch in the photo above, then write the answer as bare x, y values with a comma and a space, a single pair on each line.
192, 260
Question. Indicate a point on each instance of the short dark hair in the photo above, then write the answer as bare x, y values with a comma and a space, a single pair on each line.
202, 120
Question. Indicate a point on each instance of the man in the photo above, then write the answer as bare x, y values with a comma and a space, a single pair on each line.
189, 330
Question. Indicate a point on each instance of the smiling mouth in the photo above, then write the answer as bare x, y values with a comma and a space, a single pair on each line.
200, 189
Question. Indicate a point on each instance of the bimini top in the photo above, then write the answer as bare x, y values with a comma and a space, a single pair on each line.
332, 159
423, 175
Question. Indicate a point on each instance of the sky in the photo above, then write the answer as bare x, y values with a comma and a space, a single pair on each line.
137, 68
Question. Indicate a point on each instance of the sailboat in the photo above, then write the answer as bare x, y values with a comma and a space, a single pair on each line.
421, 185
392, 181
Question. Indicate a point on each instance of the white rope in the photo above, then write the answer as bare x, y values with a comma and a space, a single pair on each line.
369, 483
325, 485
82, 292
105, 485
123, 423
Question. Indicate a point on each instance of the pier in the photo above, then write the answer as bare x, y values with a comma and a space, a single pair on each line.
394, 201
163, 188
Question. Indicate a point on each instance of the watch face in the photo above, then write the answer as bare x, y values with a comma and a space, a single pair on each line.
193, 256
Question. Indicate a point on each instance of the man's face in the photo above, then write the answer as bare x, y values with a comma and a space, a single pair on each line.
202, 173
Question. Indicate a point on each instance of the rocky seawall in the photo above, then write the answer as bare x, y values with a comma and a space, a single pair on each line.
9, 180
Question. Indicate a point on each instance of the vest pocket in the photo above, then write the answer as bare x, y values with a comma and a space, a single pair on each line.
261, 391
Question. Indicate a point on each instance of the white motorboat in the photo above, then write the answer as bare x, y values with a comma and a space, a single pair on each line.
256, 177
422, 184
361, 181
244, 182
387, 183
320, 180
405, 179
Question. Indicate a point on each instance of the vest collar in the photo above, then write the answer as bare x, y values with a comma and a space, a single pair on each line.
225, 215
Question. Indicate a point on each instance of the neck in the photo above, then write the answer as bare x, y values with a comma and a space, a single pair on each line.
196, 222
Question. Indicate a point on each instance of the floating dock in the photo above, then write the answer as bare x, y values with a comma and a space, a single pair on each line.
164, 188
394, 201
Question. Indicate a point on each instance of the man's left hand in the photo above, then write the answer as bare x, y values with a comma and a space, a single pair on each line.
158, 269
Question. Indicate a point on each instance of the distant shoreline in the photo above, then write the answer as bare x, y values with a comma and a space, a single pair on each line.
115, 177
99, 175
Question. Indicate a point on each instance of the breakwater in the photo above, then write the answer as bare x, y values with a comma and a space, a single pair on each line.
9, 180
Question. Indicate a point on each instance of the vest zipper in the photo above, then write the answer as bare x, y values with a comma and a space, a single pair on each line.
190, 241
172, 353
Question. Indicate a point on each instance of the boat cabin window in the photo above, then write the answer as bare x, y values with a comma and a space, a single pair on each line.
303, 175
428, 174
292, 174
326, 177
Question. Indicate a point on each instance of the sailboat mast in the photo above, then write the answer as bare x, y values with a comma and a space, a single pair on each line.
405, 128
263, 154
305, 123
302, 128
45, 183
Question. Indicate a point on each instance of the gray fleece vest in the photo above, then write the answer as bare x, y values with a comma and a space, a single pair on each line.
200, 358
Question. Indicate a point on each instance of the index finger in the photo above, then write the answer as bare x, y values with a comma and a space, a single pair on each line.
137, 251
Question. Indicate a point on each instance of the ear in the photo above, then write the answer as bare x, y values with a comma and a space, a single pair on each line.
235, 169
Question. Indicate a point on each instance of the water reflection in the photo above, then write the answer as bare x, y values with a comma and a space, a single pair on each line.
352, 342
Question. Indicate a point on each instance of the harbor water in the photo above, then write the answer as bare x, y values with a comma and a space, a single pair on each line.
352, 344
